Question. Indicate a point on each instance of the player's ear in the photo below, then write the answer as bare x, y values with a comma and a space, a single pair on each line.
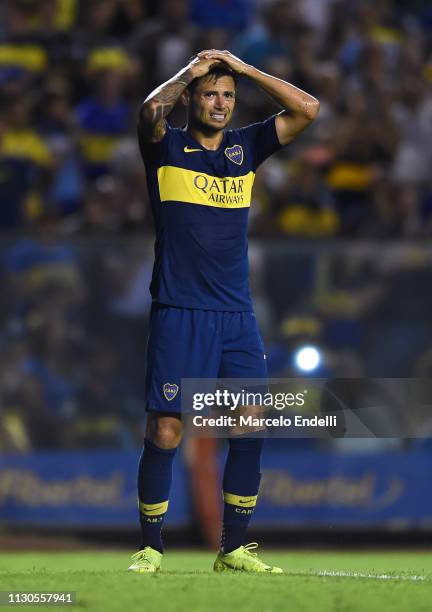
185, 97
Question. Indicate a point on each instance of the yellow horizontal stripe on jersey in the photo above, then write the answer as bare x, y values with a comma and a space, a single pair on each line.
27, 56
97, 148
245, 501
153, 509
25, 144
181, 185
350, 176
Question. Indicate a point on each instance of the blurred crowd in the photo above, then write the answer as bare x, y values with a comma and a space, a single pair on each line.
73, 73
72, 347
75, 305
74, 321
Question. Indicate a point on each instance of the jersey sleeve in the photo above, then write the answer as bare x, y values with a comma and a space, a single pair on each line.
154, 153
262, 139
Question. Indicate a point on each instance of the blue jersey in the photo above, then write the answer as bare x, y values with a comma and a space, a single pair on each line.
200, 201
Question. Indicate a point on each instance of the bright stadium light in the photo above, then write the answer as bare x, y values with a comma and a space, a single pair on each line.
307, 358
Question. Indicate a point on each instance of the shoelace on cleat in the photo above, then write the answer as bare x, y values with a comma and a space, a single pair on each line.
248, 548
141, 555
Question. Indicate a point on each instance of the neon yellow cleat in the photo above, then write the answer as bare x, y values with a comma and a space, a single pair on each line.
244, 560
146, 560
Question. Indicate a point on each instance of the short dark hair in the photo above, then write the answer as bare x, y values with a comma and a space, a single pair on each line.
216, 72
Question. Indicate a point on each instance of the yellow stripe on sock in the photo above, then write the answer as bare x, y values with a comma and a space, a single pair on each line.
153, 509
244, 501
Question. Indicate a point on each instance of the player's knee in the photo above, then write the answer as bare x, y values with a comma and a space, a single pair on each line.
167, 435
165, 432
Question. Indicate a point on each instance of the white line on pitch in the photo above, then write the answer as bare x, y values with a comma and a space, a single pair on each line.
332, 574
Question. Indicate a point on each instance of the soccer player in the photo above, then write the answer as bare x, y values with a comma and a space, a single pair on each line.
202, 322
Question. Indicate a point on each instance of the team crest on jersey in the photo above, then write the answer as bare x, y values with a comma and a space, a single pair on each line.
170, 391
235, 154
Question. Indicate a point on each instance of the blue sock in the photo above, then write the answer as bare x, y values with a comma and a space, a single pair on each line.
240, 489
154, 484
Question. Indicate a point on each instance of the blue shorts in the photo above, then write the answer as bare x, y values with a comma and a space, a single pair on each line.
189, 343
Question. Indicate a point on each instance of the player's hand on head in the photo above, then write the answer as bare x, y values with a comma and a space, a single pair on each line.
234, 62
200, 66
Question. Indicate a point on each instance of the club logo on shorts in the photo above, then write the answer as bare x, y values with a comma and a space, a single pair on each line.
235, 154
170, 391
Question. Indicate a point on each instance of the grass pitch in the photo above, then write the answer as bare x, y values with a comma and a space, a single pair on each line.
313, 582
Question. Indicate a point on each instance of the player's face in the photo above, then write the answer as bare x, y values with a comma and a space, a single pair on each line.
212, 102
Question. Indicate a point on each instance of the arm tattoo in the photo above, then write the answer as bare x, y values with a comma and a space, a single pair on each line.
166, 98
160, 103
